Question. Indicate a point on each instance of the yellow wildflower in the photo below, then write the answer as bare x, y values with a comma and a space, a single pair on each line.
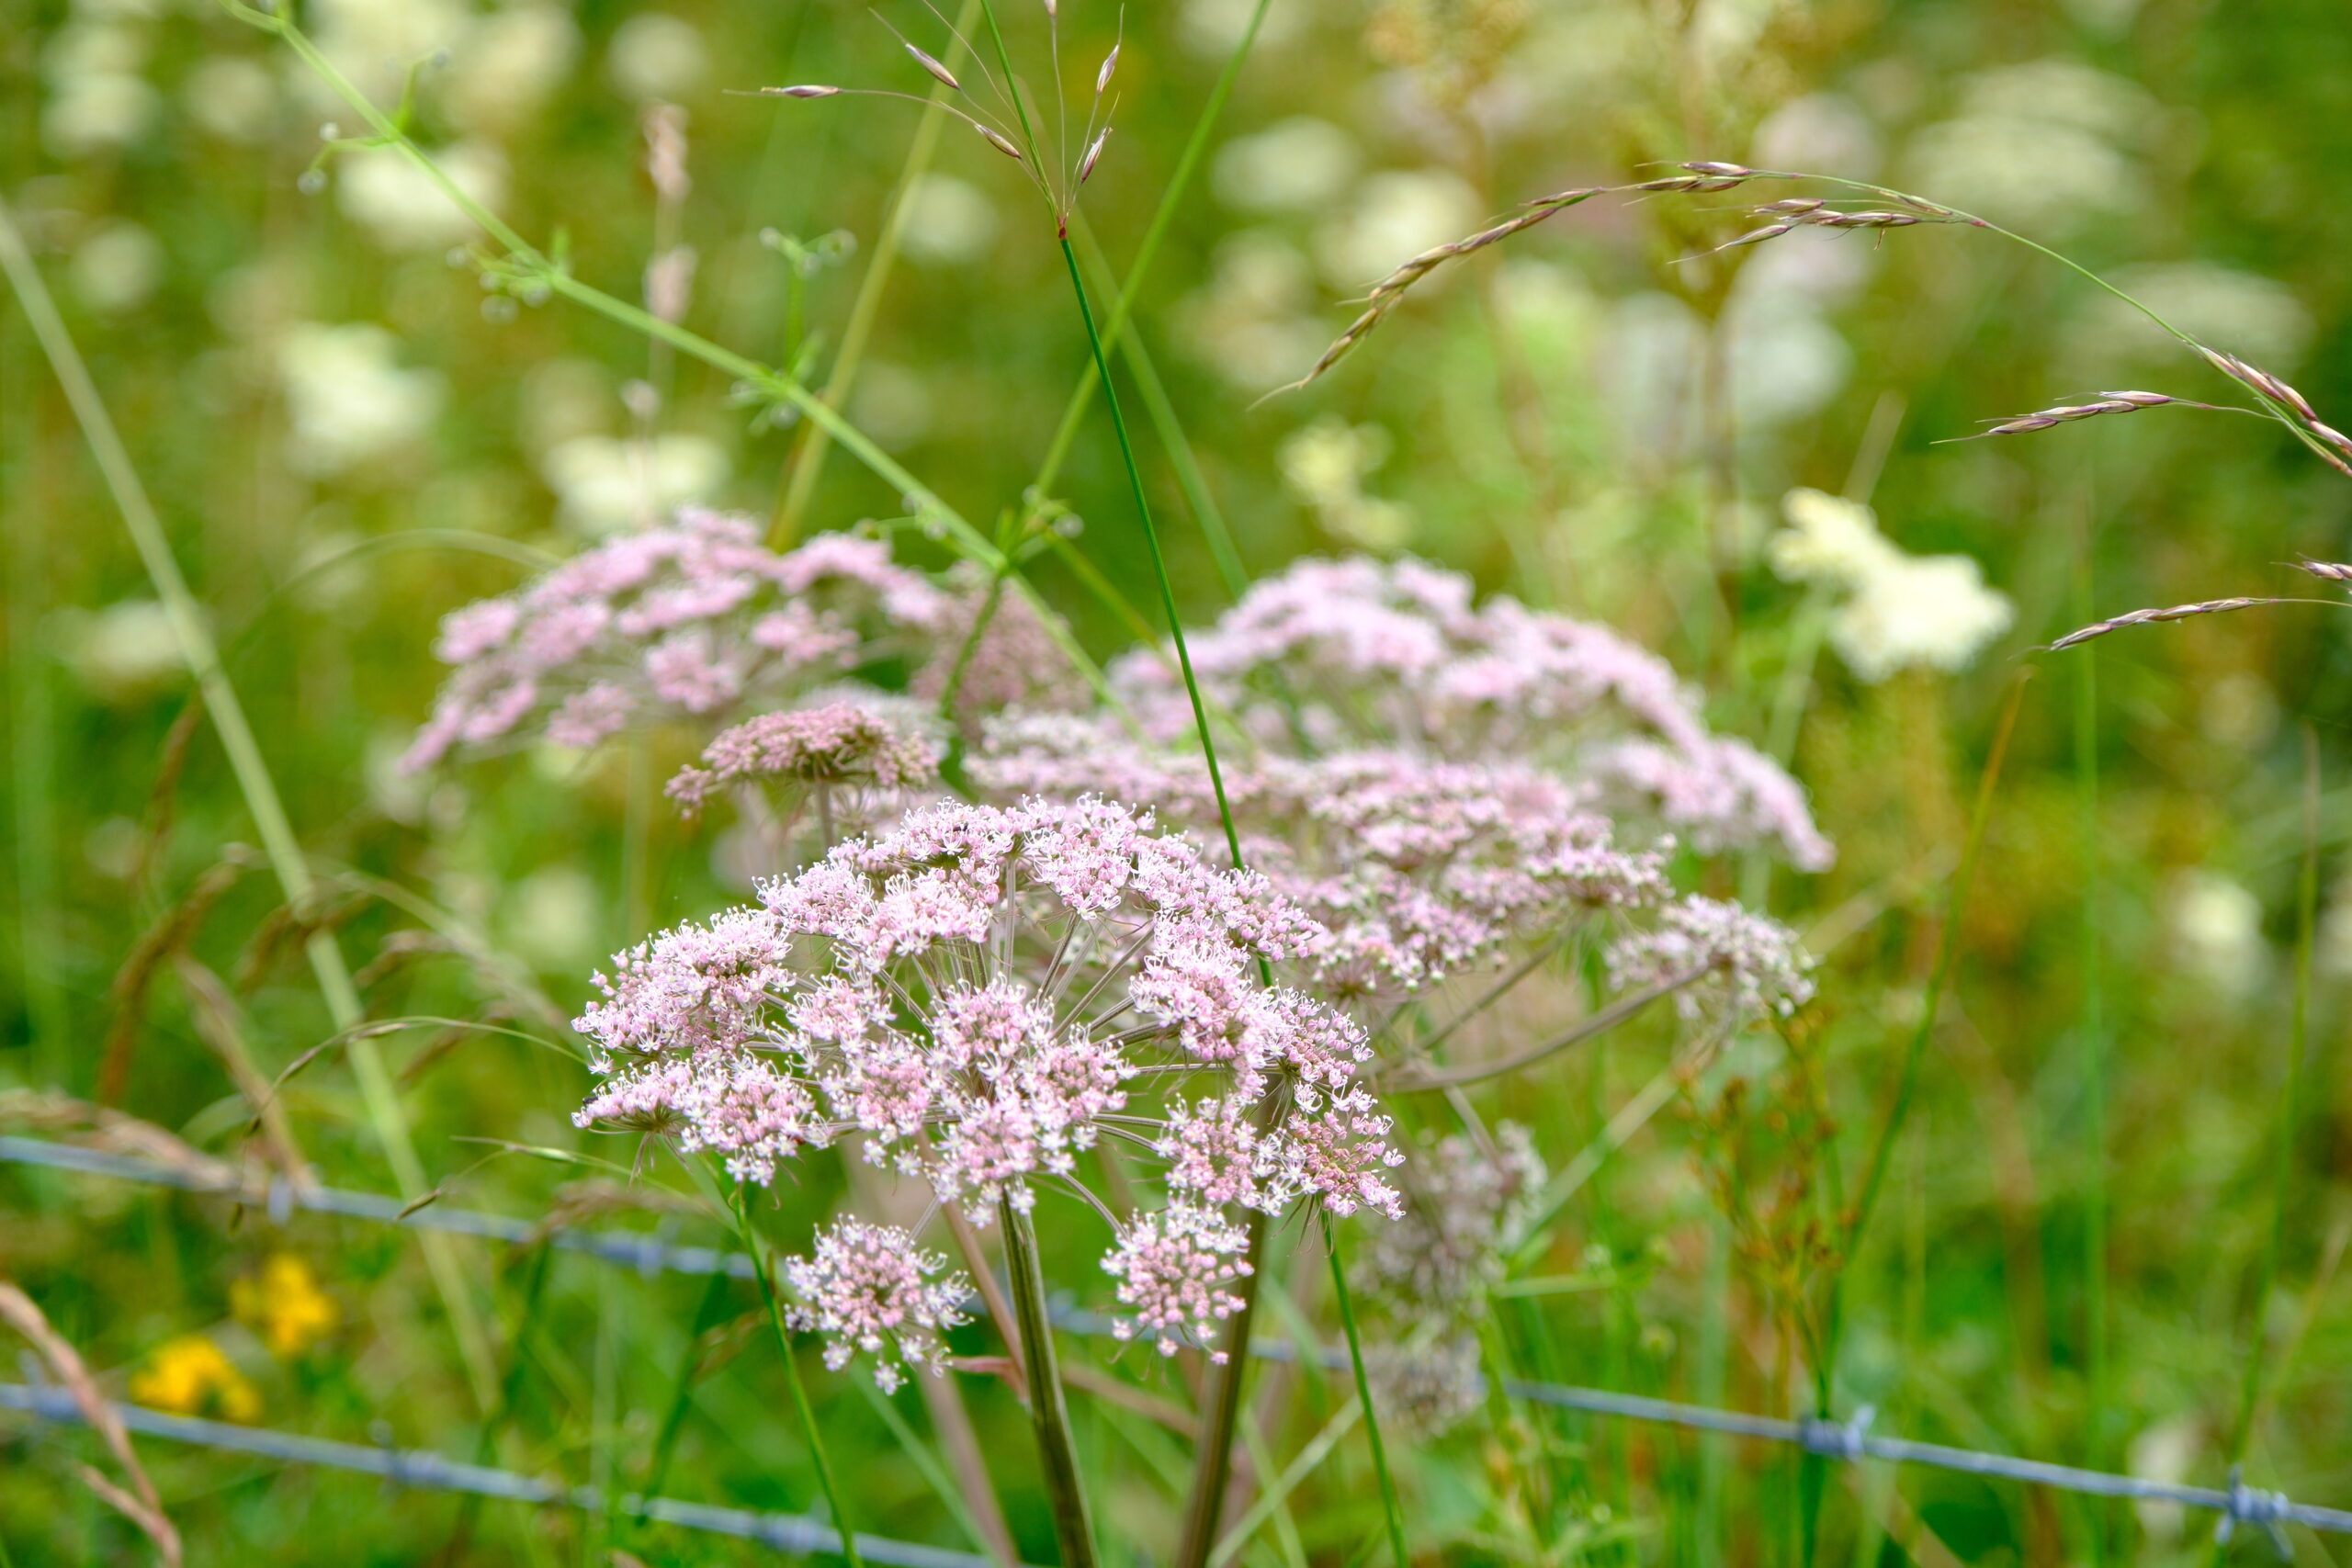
284, 1304
190, 1375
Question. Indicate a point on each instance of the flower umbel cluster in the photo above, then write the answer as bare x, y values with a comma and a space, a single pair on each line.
1359, 653
691, 620
981, 995
1438, 783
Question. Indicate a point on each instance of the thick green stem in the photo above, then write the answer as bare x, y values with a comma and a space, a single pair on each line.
1220, 1414
807, 1412
1363, 1392
1048, 1411
385, 1115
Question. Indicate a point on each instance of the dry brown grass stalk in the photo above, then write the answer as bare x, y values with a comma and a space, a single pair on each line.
138, 1502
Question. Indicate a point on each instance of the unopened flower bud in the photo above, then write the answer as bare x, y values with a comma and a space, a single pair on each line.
946, 76
998, 140
807, 90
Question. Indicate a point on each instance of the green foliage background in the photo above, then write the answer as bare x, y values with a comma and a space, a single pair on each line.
1520, 446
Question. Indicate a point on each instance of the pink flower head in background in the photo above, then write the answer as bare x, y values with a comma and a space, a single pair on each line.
872, 1287
981, 995
860, 758
1359, 653
689, 620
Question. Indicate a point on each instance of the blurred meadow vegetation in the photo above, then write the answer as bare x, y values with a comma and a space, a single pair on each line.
347, 438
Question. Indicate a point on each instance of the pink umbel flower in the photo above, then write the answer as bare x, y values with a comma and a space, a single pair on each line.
1173, 1268
1015, 663
692, 619
1737, 959
872, 1287
1419, 868
981, 996
1361, 653
817, 771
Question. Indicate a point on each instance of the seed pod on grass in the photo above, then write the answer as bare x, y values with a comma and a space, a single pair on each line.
946, 76
805, 90
2161, 613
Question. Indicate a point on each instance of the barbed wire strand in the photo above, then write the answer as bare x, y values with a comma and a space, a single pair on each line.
652, 1254
424, 1470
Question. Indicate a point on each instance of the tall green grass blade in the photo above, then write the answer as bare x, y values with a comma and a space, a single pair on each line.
1363, 1395
809, 1426
865, 309
2284, 1133
2094, 1062
385, 1115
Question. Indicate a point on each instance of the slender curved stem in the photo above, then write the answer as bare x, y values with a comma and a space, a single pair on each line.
385, 1114
1158, 560
808, 460
1363, 1393
807, 1412
1598, 1024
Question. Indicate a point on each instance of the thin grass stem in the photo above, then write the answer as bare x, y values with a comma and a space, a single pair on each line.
2283, 1137
1395, 1517
284, 850
807, 1412
2094, 1059
1114, 322
865, 307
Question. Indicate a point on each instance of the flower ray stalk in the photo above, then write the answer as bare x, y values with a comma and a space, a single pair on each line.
766, 1280
1048, 1411
283, 849
1363, 1393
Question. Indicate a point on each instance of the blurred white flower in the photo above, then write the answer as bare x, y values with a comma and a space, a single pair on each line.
2061, 91
117, 268
2042, 145
654, 55
1899, 611
2163, 1453
1393, 216
1250, 322
1647, 364
892, 404
1214, 28
398, 204
949, 221
2037, 176
348, 399
1785, 363
603, 485
375, 42
98, 101
554, 918
1325, 464
125, 651
504, 69
232, 98
1823, 133
1293, 165
2216, 931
